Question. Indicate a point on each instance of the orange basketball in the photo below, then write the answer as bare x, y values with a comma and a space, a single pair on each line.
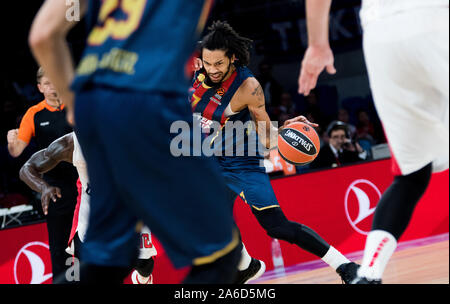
298, 143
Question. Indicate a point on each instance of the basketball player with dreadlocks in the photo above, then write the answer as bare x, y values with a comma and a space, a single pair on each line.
225, 91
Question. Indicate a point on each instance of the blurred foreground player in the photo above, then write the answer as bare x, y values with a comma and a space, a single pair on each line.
408, 67
226, 93
129, 88
67, 149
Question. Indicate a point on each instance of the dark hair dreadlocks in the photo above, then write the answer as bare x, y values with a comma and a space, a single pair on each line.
222, 36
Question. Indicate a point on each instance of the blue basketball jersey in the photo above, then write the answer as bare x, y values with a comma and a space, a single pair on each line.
140, 45
239, 147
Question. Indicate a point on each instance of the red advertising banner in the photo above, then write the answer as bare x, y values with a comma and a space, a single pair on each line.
24, 255
337, 203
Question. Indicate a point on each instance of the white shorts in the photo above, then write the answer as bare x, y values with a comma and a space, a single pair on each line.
407, 58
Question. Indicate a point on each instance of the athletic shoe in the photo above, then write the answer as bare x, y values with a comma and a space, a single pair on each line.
359, 280
135, 278
347, 272
254, 271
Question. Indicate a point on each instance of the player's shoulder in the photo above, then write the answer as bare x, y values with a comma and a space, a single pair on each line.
252, 91
61, 147
250, 85
66, 141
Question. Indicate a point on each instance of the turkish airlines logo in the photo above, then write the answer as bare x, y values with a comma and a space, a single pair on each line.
361, 198
30, 267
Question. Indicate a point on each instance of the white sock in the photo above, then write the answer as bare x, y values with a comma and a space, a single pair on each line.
380, 245
245, 259
334, 258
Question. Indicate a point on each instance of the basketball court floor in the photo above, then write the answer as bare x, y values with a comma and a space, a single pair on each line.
421, 261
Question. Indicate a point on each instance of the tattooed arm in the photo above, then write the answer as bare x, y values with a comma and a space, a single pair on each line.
254, 97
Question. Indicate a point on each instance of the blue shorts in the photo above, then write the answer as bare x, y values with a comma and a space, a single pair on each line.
125, 138
253, 186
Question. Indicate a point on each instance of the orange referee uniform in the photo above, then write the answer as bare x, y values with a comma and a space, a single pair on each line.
44, 123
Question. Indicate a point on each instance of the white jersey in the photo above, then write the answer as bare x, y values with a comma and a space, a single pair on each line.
372, 10
146, 249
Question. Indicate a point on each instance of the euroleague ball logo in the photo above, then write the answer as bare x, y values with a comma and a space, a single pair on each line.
361, 198
32, 264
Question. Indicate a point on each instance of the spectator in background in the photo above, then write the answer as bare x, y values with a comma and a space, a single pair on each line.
323, 135
286, 105
271, 87
285, 110
344, 116
45, 122
282, 118
340, 149
312, 107
365, 128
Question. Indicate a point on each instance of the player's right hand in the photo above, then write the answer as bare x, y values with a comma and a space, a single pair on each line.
316, 59
300, 118
12, 136
49, 194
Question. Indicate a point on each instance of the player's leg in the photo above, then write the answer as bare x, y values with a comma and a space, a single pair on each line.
58, 226
249, 268
411, 96
77, 243
143, 268
391, 218
258, 193
180, 198
278, 226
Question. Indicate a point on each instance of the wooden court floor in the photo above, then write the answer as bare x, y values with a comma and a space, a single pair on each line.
424, 261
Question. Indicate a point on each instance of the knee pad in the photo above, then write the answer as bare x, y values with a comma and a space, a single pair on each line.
276, 224
285, 232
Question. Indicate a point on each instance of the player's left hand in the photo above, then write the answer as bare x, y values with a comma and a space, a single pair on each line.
300, 118
49, 194
315, 61
197, 64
